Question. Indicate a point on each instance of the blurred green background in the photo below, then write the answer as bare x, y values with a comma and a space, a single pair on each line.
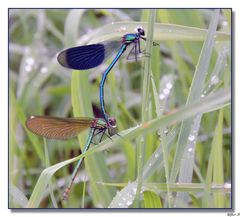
38, 85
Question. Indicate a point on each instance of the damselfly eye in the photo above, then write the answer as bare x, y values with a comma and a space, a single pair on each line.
112, 126
140, 30
112, 122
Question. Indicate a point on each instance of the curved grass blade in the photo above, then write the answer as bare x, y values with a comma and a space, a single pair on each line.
213, 102
162, 32
196, 89
151, 200
202, 106
145, 101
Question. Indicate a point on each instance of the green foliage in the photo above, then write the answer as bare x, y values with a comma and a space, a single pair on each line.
173, 110
151, 200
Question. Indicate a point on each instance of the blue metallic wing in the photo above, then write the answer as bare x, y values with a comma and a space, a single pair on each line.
87, 56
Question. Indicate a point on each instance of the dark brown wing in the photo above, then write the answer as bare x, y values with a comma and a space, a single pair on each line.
57, 128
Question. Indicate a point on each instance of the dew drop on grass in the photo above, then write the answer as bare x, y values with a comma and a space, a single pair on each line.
166, 91
225, 23
214, 80
190, 150
30, 61
227, 185
191, 138
134, 191
43, 70
28, 68
169, 85
129, 203
161, 96
165, 131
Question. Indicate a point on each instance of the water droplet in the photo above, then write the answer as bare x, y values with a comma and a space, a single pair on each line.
162, 96
28, 68
214, 80
123, 198
225, 23
166, 91
43, 70
26, 50
30, 61
134, 190
129, 203
190, 150
165, 131
84, 179
150, 164
156, 155
191, 138
119, 204
227, 185
203, 95
169, 85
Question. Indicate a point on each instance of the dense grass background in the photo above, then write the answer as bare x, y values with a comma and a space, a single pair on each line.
173, 110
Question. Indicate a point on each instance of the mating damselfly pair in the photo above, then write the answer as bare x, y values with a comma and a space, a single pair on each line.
83, 58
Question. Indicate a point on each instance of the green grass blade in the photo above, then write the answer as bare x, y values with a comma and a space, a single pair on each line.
47, 164
186, 187
125, 197
218, 169
17, 198
163, 138
151, 200
195, 93
145, 101
203, 105
162, 32
215, 168
40, 188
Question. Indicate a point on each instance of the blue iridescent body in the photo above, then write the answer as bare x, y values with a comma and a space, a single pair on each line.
90, 56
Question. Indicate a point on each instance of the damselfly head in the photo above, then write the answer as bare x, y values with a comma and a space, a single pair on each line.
140, 30
112, 122
112, 126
